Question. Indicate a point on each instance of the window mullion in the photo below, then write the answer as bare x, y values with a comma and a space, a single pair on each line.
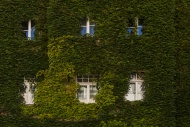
88, 26
136, 91
29, 28
136, 25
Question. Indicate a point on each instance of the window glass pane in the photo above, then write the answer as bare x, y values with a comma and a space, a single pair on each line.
32, 92
140, 30
91, 30
25, 25
131, 23
32, 32
83, 30
79, 80
33, 89
83, 21
92, 79
139, 87
25, 28
140, 22
132, 88
32, 23
85, 80
93, 91
143, 88
26, 33
82, 92
32, 97
129, 30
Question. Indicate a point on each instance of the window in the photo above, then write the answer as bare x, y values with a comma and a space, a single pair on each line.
87, 27
139, 26
87, 89
136, 26
93, 91
29, 29
136, 87
29, 91
132, 88
82, 92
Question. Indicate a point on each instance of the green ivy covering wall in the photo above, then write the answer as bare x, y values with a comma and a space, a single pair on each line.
19, 57
182, 56
59, 53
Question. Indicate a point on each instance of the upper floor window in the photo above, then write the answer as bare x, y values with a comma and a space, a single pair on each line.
29, 29
87, 27
135, 26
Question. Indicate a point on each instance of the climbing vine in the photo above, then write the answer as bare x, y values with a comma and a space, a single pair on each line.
59, 52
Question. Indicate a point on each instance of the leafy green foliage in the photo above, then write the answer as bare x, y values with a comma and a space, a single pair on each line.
162, 52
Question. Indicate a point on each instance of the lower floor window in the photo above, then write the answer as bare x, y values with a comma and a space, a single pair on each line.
29, 91
82, 92
87, 89
86, 93
135, 91
136, 87
93, 91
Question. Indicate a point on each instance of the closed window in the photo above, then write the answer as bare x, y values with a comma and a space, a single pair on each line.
93, 91
135, 26
136, 87
87, 27
82, 92
29, 29
87, 89
29, 90
132, 88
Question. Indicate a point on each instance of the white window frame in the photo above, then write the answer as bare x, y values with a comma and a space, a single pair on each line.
87, 25
137, 93
92, 95
29, 30
86, 80
84, 86
136, 27
132, 95
29, 84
